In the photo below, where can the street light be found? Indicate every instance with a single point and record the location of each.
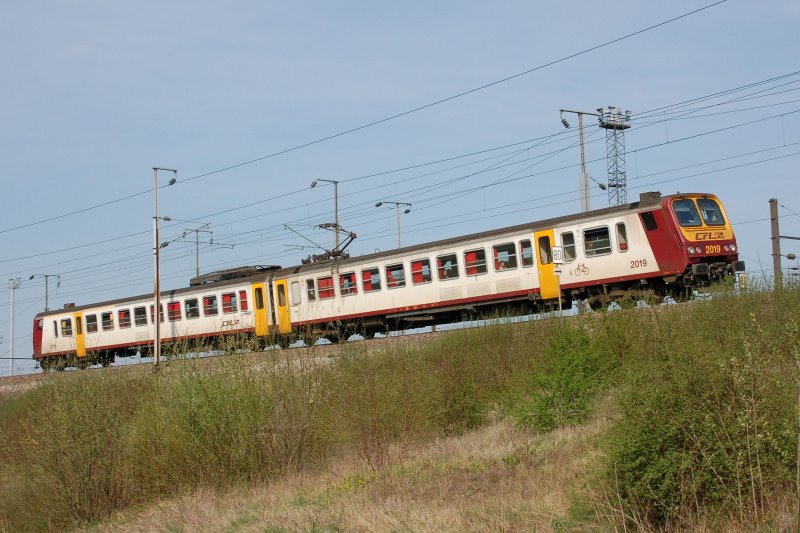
(397, 208)
(157, 266)
(13, 284)
(335, 209)
(584, 184)
(46, 291)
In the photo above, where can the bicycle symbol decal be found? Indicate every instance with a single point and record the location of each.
(580, 269)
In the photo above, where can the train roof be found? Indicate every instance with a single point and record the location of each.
(646, 201)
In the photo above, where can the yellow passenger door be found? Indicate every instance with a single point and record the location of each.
(259, 295)
(80, 339)
(548, 282)
(284, 321)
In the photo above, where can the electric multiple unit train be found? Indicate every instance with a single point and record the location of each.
(655, 247)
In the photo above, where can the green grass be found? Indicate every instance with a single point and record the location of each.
(704, 398)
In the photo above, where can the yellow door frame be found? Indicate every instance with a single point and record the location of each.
(282, 303)
(260, 312)
(80, 338)
(548, 282)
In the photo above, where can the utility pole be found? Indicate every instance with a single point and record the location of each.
(157, 266)
(46, 289)
(776, 244)
(397, 209)
(584, 181)
(13, 284)
(336, 227)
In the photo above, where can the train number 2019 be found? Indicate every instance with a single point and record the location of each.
(713, 248)
(638, 263)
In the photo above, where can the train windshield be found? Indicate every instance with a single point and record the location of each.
(712, 214)
(686, 212)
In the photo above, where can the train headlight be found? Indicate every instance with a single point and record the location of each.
(733, 247)
(691, 250)
(726, 247)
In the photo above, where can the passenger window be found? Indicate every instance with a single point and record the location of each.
(686, 212)
(107, 320)
(310, 291)
(568, 246)
(124, 316)
(622, 237)
(140, 316)
(347, 284)
(192, 308)
(55, 328)
(447, 266)
(209, 306)
(712, 214)
(325, 286)
(282, 295)
(66, 327)
(243, 300)
(91, 323)
(229, 302)
(526, 251)
(78, 325)
(545, 253)
(505, 256)
(371, 279)
(174, 311)
(296, 293)
(596, 241)
(395, 276)
(421, 271)
(260, 298)
(475, 262)
(160, 313)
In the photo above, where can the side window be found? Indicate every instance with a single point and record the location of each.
(545, 253)
(259, 292)
(107, 320)
(596, 241)
(124, 316)
(243, 300)
(421, 271)
(55, 328)
(282, 295)
(568, 246)
(160, 313)
(140, 316)
(296, 293)
(78, 325)
(91, 323)
(40, 324)
(229, 302)
(174, 311)
(347, 284)
(649, 221)
(371, 279)
(310, 290)
(686, 212)
(712, 214)
(66, 327)
(622, 237)
(504, 256)
(447, 266)
(209, 306)
(475, 262)
(192, 308)
(325, 286)
(395, 276)
(526, 252)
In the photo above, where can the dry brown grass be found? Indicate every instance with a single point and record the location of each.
(493, 479)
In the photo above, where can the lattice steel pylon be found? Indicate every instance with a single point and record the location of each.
(615, 122)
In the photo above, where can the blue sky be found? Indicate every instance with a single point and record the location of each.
(97, 93)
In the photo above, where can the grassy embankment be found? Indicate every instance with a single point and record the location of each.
(674, 418)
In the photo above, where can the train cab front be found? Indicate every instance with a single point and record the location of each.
(707, 238)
